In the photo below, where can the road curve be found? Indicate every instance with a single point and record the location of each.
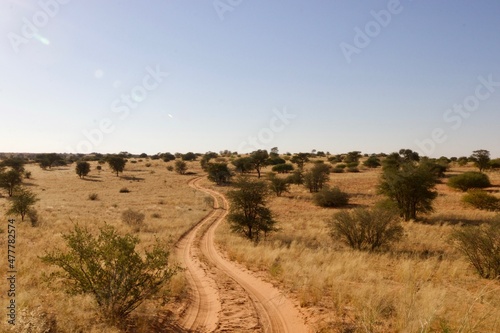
(275, 312)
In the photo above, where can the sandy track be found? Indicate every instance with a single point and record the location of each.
(224, 297)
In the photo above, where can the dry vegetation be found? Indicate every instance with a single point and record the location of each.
(422, 285)
(170, 208)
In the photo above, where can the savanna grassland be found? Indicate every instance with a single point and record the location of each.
(421, 284)
(170, 208)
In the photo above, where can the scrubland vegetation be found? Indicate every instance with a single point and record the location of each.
(337, 232)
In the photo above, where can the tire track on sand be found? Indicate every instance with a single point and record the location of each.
(225, 297)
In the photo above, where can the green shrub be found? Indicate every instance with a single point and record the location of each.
(180, 167)
(331, 197)
(352, 165)
(124, 190)
(481, 246)
(278, 185)
(337, 170)
(283, 168)
(481, 200)
(22, 202)
(372, 162)
(170, 168)
(352, 169)
(469, 180)
(366, 229)
(109, 268)
(297, 177)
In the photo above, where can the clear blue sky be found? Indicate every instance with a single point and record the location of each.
(373, 76)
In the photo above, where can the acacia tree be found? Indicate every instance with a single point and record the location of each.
(117, 163)
(16, 163)
(82, 168)
(259, 160)
(205, 159)
(300, 159)
(243, 164)
(410, 186)
(49, 160)
(109, 268)
(219, 173)
(317, 177)
(481, 159)
(9, 180)
(248, 214)
(22, 202)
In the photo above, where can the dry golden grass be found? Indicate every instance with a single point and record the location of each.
(170, 206)
(422, 285)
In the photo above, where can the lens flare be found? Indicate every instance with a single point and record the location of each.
(42, 40)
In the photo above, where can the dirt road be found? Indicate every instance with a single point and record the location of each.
(225, 298)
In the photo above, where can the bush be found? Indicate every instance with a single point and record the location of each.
(331, 197)
(317, 177)
(337, 170)
(109, 268)
(278, 185)
(180, 167)
(124, 190)
(481, 246)
(372, 162)
(133, 218)
(366, 229)
(481, 200)
(27, 174)
(170, 168)
(352, 169)
(219, 173)
(147, 165)
(34, 218)
(469, 180)
(93, 196)
(283, 168)
(297, 177)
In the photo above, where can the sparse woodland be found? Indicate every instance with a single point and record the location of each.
(423, 277)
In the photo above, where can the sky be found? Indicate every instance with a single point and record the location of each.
(182, 75)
